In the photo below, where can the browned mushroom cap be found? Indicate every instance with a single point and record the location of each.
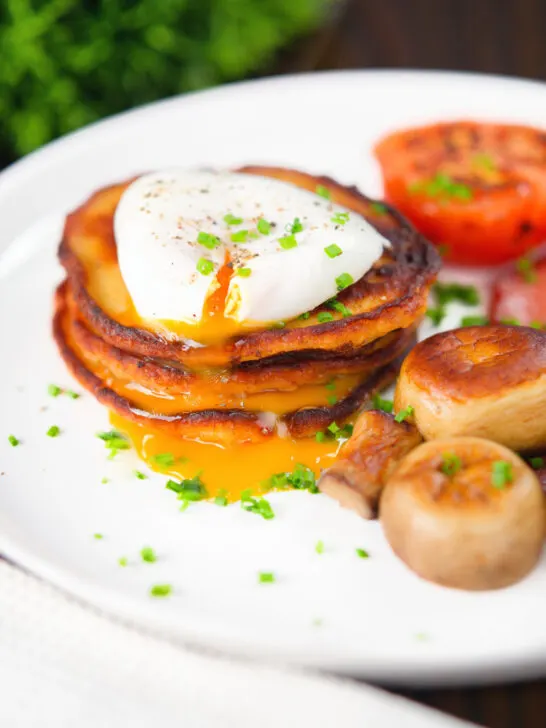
(466, 513)
(367, 460)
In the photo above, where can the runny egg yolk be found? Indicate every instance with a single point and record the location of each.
(226, 471)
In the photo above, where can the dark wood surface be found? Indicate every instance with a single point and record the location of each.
(491, 36)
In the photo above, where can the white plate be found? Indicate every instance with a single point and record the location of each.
(378, 619)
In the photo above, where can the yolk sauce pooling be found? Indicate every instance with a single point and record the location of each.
(227, 471)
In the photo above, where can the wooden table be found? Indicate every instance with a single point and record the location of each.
(493, 36)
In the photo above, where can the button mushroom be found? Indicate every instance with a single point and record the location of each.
(367, 460)
(466, 513)
(479, 381)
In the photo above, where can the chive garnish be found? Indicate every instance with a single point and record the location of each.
(244, 272)
(501, 474)
(163, 459)
(333, 250)
(260, 506)
(451, 464)
(54, 390)
(148, 555)
(266, 577)
(54, 431)
(362, 553)
(340, 218)
(294, 227)
(319, 547)
(205, 266)
(288, 242)
(526, 269)
(230, 219)
(13, 441)
(404, 414)
(208, 241)
(241, 236)
(324, 316)
(385, 405)
(161, 590)
(263, 226)
(344, 281)
(474, 321)
(323, 192)
(139, 475)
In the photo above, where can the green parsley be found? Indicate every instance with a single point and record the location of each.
(451, 464)
(163, 459)
(442, 186)
(205, 266)
(161, 590)
(98, 536)
(257, 505)
(230, 219)
(536, 463)
(526, 269)
(320, 436)
(404, 414)
(436, 315)
(385, 405)
(324, 316)
(340, 218)
(295, 226)
(319, 547)
(474, 321)
(378, 208)
(333, 250)
(114, 441)
(448, 292)
(13, 441)
(139, 475)
(189, 490)
(344, 281)
(148, 555)
(266, 577)
(501, 474)
(323, 192)
(54, 431)
(208, 241)
(243, 272)
(54, 390)
(122, 561)
(263, 226)
(362, 553)
(288, 242)
(241, 236)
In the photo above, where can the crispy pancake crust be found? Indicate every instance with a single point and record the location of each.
(392, 295)
(228, 426)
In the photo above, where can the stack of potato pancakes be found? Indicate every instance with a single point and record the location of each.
(292, 379)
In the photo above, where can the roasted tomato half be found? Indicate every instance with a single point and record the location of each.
(476, 189)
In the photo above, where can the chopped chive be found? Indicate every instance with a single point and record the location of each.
(53, 431)
(263, 226)
(98, 536)
(114, 441)
(378, 208)
(230, 219)
(324, 316)
(208, 241)
(13, 441)
(344, 281)
(304, 316)
(104, 481)
(161, 590)
(278, 325)
(334, 428)
(301, 478)
(204, 266)
(474, 321)
(266, 577)
(163, 459)
(485, 161)
(332, 399)
(323, 192)
(320, 436)
(260, 506)
(442, 186)
(362, 553)
(288, 242)
(340, 218)
(510, 322)
(333, 250)
(451, 464)
(536, 463)
(436, 315)
(404, 414)
(536, 325)
(221, 500)
(148, 555)
(241, 236)
(526, 269)
(448, 292)
(122, 561)
(244, 272)
(340, 308)
(189, 490)
(319, 547)
(72, 394)
(385, 405)
(295, 226)
(139, 475)
(331, 384)
(54, 390)
(501, 474)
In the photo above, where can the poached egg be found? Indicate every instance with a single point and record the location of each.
(245, 250)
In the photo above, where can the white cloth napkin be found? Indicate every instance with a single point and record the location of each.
(64, 664)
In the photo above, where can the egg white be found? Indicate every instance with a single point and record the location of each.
(159, 218)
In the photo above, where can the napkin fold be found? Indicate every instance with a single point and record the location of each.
(63, 664)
